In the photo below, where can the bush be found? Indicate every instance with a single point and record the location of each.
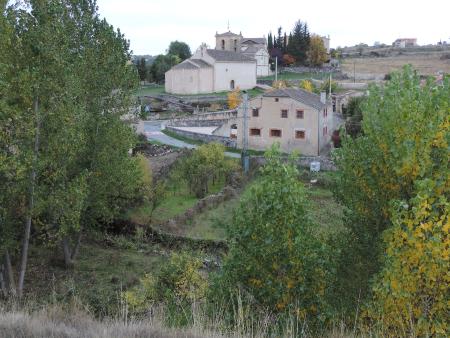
(178, 285)
(204, 167)
(275, 261)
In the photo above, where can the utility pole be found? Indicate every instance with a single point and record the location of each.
(245, 158)
(329, 93)
(354, 74)
(276, 68)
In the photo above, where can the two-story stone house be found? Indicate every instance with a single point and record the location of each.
(297, 119)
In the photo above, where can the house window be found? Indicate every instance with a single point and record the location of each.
(325, 112)
(276, 99)
(300, 134)
(223, 44)
(325, 131)
(300, 114)
(275, 132)
(255, 132)
(255, 112)
(284, 113)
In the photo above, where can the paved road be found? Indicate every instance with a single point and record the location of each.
(153, 131)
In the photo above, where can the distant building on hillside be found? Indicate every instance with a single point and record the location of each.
(405, 42)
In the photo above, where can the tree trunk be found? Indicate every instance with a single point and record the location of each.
(67, 253)
(76, 248)
(2, 283)
(27, 230)
(9, 274)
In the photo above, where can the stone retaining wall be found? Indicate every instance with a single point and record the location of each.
(205, 203)
(326, 163)
(196, 123)
(226, 141)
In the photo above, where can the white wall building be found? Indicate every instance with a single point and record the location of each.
(209, 71)
(235, 62)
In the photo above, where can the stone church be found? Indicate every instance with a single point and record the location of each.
(235, 62)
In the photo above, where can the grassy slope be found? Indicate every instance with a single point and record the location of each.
(108, 264)
(159, 89)
(295, 76)
(104, 267)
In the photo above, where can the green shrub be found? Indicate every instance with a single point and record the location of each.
(275, 262)
(177, 285)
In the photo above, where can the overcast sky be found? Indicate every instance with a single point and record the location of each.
(150, 25)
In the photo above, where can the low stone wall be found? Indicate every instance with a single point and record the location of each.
(196, 123)
(326, 164)
(345, 85)
(206, 203)
(226, 141)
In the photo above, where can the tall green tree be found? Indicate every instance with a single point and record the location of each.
(274, 256)
(161, 65)
(180, 49)
(383, 165)
(65, 87)
(142, 69)
(299, 42)
(269, 41)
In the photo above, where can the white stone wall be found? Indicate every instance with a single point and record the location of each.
(262, 63)
(243, 74)
(189, 81)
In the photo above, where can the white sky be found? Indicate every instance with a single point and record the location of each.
(151, 25)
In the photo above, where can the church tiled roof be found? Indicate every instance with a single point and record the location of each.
(226, 34)
(224, 56)
(303, 96)
(259, 41)
(192, 64)
(201, 63)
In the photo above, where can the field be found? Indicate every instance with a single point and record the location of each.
(366, 67)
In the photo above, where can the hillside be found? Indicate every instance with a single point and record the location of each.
(375, 68)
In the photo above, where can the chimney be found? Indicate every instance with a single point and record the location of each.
(323, 97)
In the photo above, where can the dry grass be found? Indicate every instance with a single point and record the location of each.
(61, 322)
(426, 64)
(56, 323)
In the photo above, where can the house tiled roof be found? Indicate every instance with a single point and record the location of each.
(224, 56)
(300, 95)
(192, 64)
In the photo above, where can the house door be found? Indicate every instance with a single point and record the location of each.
(232, 84)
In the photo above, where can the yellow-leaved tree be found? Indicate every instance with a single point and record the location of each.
(317, 53)
(306, 85)
(234, 98)
(411, 293)
(401, 157)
